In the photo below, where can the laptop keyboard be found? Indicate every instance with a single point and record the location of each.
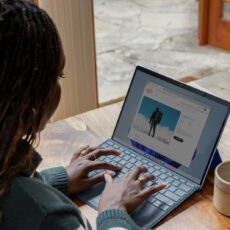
(177, 187)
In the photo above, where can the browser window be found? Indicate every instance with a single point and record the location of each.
(168, 123)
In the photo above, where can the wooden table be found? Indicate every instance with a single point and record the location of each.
(60, 140)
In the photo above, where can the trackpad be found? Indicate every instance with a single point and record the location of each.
(92, 195)
(146, 215)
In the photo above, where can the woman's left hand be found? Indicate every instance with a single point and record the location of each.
(83, 162)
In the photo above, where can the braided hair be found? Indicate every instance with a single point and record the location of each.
(31, 60)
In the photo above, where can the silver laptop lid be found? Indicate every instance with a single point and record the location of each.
(176, 124)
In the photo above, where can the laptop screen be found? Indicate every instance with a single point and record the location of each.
(171, 123)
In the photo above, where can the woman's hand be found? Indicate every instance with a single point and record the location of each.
(84, 162)
(128, 192)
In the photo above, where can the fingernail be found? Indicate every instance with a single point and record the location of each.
(111, 173)
(106, 176)
(164, 183)
(144, 167)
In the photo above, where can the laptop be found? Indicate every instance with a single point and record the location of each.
(173, 129)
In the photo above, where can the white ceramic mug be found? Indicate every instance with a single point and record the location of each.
(221, 197)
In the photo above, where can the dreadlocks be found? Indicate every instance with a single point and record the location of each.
(31, 59)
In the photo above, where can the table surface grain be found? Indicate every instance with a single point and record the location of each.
(61, 139)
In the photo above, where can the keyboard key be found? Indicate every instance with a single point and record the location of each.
(108, 160)
(179, 192)
(102, 158)
(144, 161)
(116, 146)
(164, 199)
(126, 157)
(139, 158)
(162, 191)
(190, 184)
(124, 170)
(157, 167)
(157, 173)
(127, 151)
(172, 188)
(158, 181)
(91, 174)
(163, 170)
(169, 180)
(176, 183)
(138, 163)
(163, 176)
(176, 177)
(157, 203)
(128, 165)
(123, 162)
(121, 148)
(150, 164)
(148, 184)
(110, 143)
(185, 187)
(164, 207)
(151, 199)
(182, 180)
(132, 160)
(151, 170)
(112, 147)
(117, 159)
(111, 156)
(133, 155)
(172, 196)
(169, 173)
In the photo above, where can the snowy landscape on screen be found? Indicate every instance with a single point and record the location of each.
(162, 133)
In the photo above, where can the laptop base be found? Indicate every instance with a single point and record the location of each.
(154, 208)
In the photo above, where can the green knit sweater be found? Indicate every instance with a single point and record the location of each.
(40, 202)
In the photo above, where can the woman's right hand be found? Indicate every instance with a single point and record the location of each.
(128, 192)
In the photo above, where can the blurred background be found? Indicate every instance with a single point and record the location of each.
(104, 40)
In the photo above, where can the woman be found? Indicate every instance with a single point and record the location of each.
(31, 63)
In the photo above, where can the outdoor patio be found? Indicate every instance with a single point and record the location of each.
(161, 35)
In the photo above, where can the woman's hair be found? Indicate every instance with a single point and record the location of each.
(31, 60)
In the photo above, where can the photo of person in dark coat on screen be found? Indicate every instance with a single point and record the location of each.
(154, 120)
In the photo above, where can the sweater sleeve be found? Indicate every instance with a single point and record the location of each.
(56, 177)
(115, 219)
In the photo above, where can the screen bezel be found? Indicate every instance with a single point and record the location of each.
(191, 89)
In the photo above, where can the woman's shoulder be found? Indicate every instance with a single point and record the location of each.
(29, 201)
